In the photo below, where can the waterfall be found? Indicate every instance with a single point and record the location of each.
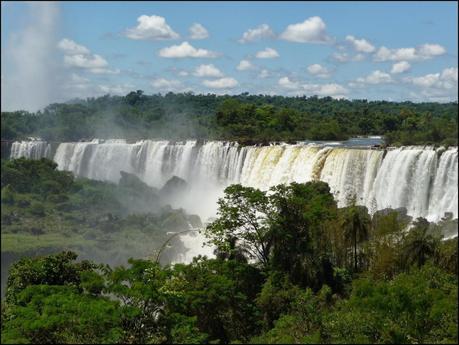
(35, 149)
(422, 179)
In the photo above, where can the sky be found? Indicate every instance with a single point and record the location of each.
(395, 51)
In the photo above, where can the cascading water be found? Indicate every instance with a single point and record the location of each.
(35, 149)
(424, 180)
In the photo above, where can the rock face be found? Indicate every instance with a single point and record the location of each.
(136, 196)
(173, 189)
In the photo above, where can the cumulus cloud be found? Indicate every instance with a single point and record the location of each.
(198, 32)
(345, 57)
(207, 71)
(400, 67)
(360, 45)
(260, 32)
(245, 65)
(318, 70)
(85, 61)
(151, 28)
(162, 83)
(331, 89)
(79, 56)
(268, 53)
(121, 90)
(376, 77)
(264, 73)
(72, 48)
(437, 87)
(312, 30)
(185, 50)
(222, 83)
(423, 52)
(285, 82)
(447, 79)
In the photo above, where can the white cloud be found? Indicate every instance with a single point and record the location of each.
(318, 70)
(70, 47)
(198, 32)
(264, 73)
(428, 80)
(312, 30)
(437, 87)
(376, 77)
(360, 45)
(285, 82)
(207, 71)
(183, 73)
(165, 83)
(449, 74)
(222, 83)
(120, 90)
(85, 61)
(79, 56)
(400, 67)
(245, 65)
(162, 84)
(262, 31)
(185, 50)
(428, 50)
(151, 27)
(345, 57)
(423, 52)
(268, 53)
(447, 79)
(104, 71)
(331, 89)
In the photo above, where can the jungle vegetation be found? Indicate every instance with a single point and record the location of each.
(289, 267)
(248, 119)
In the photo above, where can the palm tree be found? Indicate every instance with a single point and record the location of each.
(356, 223)
(418, 246)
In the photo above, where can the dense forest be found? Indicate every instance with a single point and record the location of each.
(46, 211)
(244, 118)
(290, 267)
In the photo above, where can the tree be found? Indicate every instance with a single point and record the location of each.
(356, 223)
(419, 245)
(242, 217)
(300, 246)
(50, 314)
(58, 269)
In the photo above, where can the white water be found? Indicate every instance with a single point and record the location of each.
(424, 180)
(31, 149)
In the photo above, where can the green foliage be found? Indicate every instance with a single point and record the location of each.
(416, 307)
(35, 176)
(291, 268)
(242, 224)
(56, 269)
(46, 314)
(220, 294)
(244, 118)
(302, 213)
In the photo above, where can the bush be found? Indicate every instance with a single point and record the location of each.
(37, 209)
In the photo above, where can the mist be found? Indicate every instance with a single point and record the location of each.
(30, 70)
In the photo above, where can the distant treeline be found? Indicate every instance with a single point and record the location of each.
(244, 118)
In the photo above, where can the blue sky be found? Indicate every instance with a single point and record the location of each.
(375, 50)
